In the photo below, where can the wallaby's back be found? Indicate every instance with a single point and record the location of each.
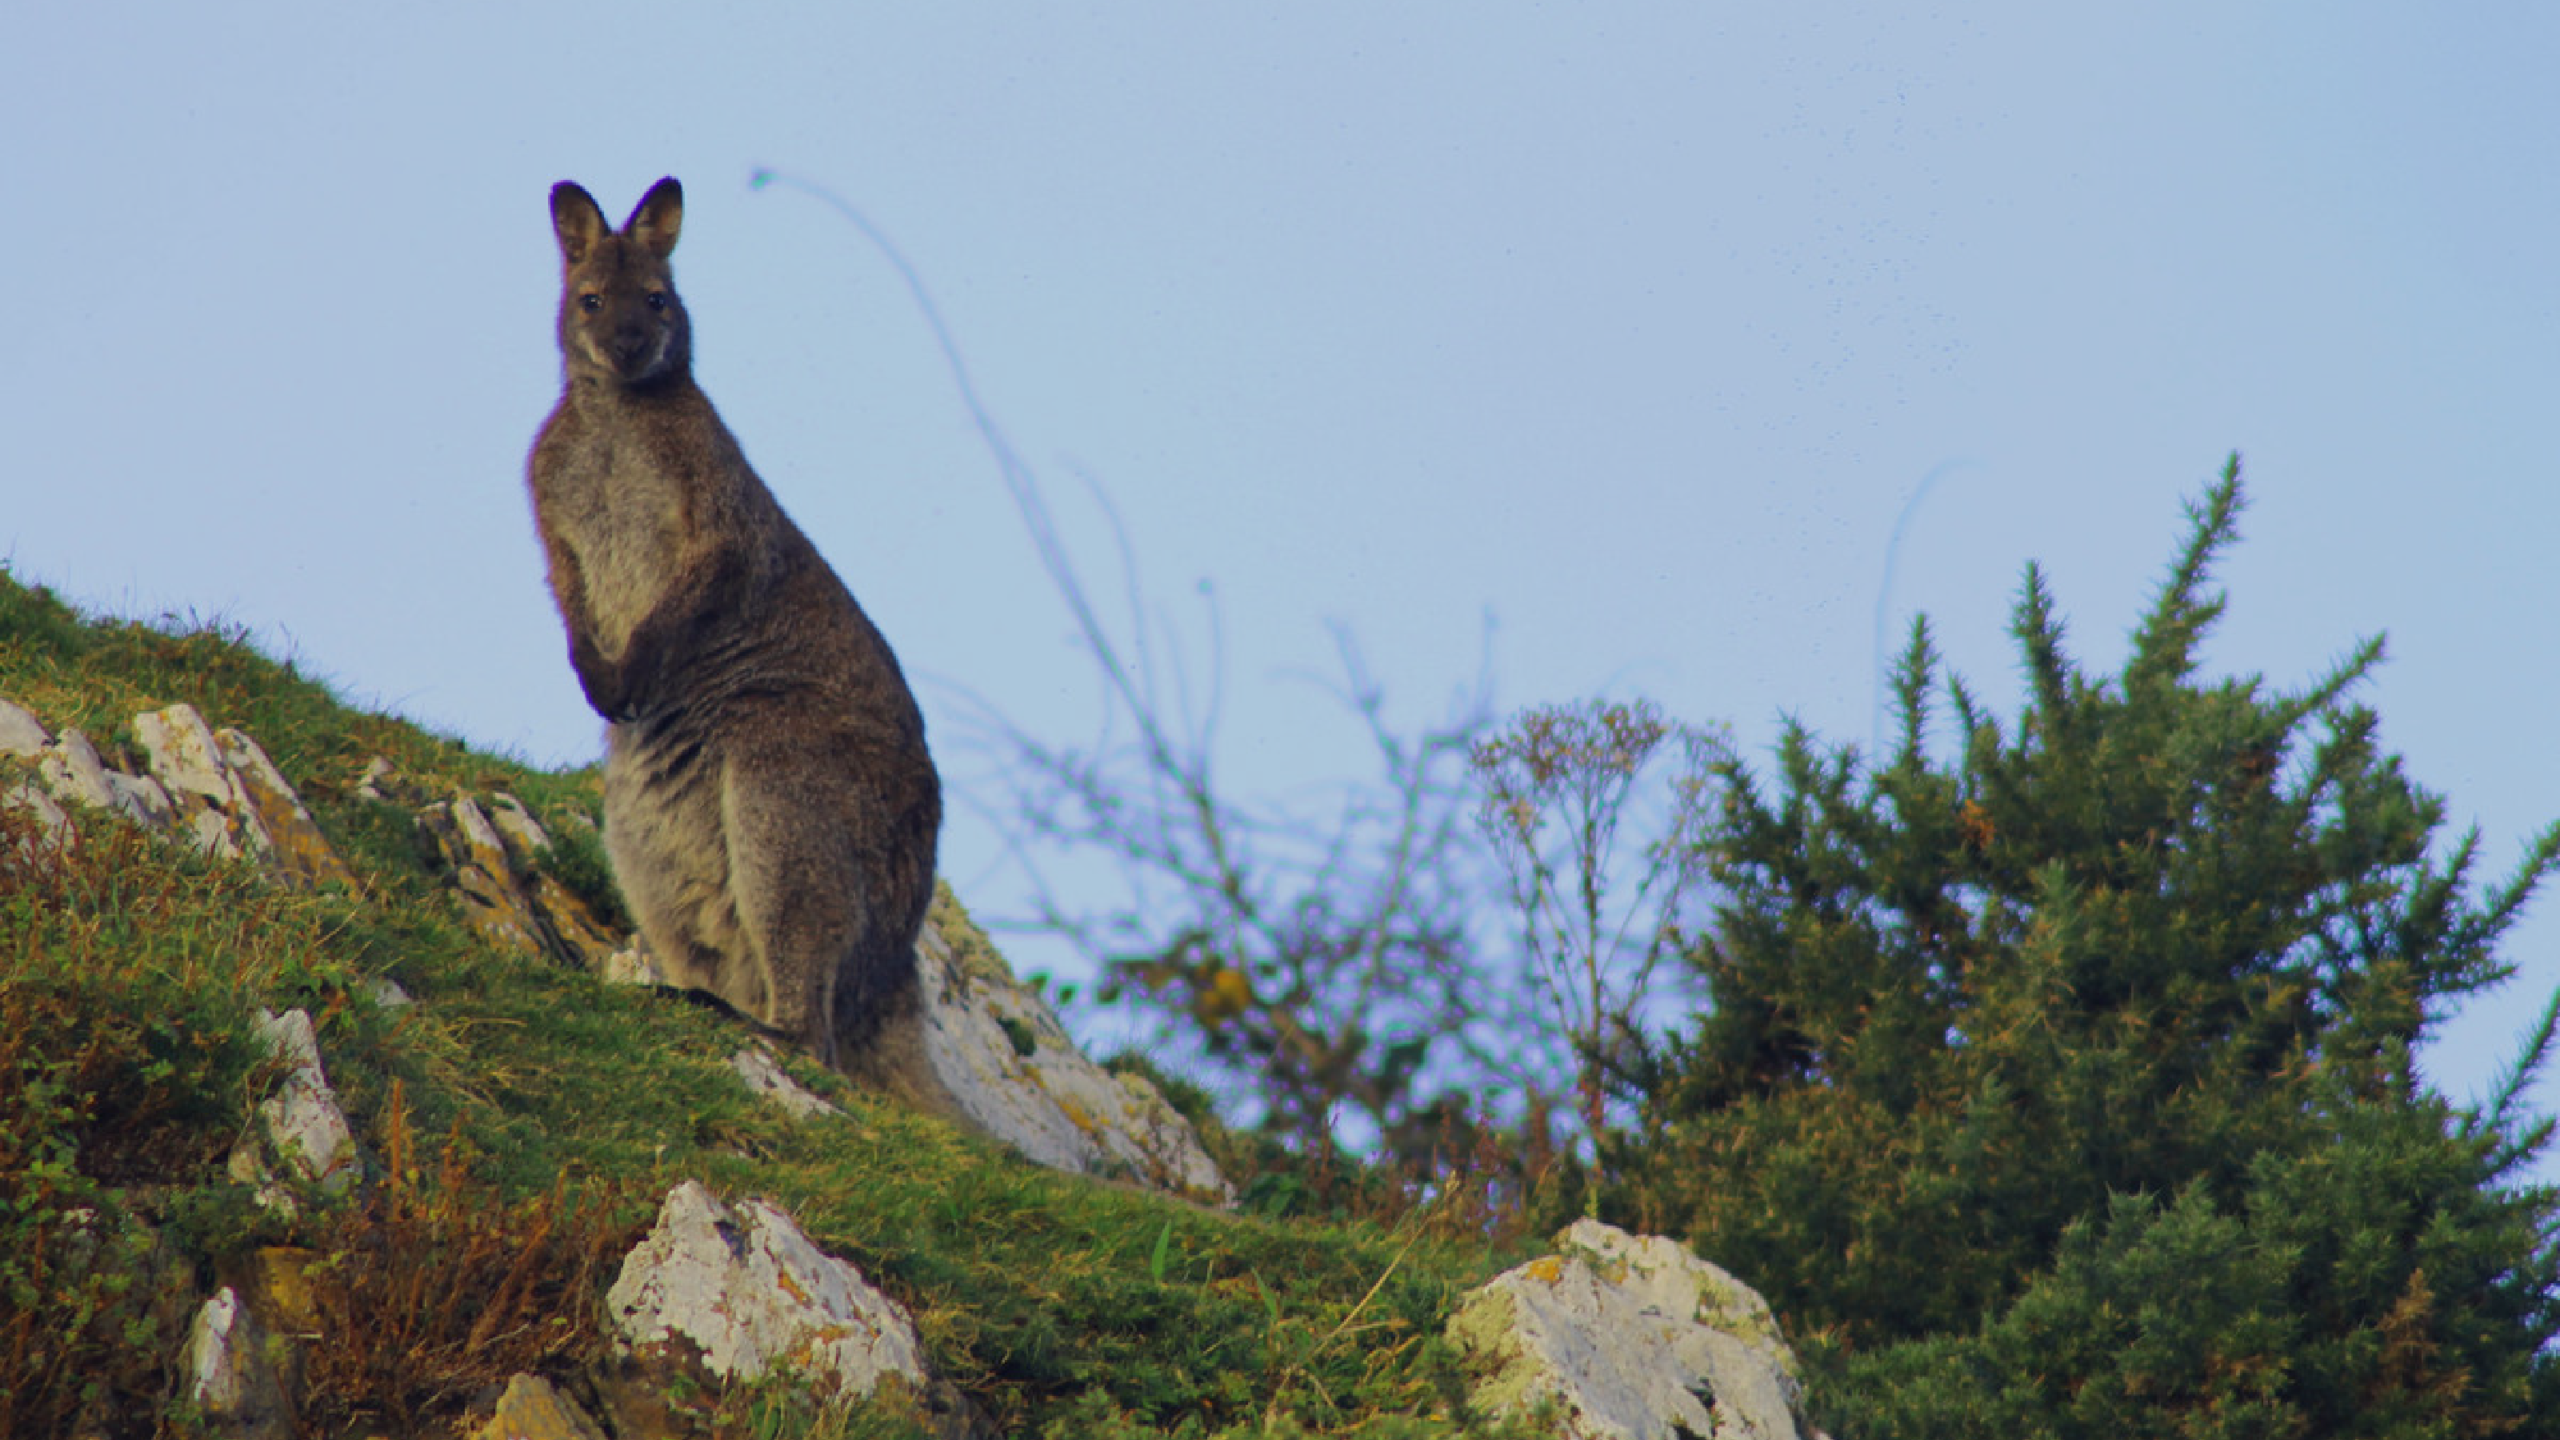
(770, 807)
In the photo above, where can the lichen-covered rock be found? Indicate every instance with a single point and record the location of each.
(227, 1373)
(765, 1076)
(303, 1128)
(68, 775)
(1019, 1076)
(1631, 1339)
(743, 1292)
(215, 788)
(1016, 1073)
(517, 823)
(494, 854)
(283, 834)
(284, 1285)
(492, 904)
(72, 770)
(531, 1408)
(232, 800)
(52, 822)
(21, 733)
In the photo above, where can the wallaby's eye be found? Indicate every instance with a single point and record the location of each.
(591, 302)
(657, 299)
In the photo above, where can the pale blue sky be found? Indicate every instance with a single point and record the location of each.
(1633, 325)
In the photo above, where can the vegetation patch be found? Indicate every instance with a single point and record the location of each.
(2050, 1075)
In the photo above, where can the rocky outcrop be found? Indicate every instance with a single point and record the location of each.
(214, 788)
(493, 849)
(302, 1130)
(1630, 1339)
(72, 772)
(743, 1293)
(1017, 1073)
(234, 800)
(507, 897)
(218, 791)
(995, 1045)
(238, 1364)
(21, 733)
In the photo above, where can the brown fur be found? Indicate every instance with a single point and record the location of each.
(770, 808)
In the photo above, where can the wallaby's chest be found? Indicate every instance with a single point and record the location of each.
(627, 506)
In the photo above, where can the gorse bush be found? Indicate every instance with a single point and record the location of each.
(2381, 1286)
(2063, 1085)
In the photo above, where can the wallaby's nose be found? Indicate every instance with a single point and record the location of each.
(630, 344)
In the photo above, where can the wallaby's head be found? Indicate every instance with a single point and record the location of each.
(620, 320)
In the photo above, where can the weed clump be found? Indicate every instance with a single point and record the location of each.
(434, 1286)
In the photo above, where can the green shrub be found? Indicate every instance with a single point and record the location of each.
(2066, 1079)
(109, 1084)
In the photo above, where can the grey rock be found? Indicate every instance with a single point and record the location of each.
(52, 821)
(185, 756)
(226, 1371)
(74, 773)
(283, 834)
(1016, 1073)
(493, 854)
(517, 823)
(1020, 1077)
(744, 1293)
(230, 800)
(85, 779)
(302, 1124)
(69, 769)
(765, 1076)
(380, 780)
(1632, 1339)
(493, 904)
(21, 733)
(633, 964)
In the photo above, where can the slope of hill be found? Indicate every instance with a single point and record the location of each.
(517, 1123)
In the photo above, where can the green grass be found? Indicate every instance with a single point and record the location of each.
(517, 1092)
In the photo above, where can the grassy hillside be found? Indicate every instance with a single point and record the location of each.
(524, 1121)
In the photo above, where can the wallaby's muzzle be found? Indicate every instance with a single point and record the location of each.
(635, 349)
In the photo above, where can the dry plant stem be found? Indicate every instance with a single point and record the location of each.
(1262, 964)
(1559, 783)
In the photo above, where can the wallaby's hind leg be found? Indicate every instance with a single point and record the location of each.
(797, 895)
(668, 857)
(827, 916)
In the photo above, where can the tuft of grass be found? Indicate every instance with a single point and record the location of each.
(1042, 1295)
(577, 860)
(435, 1285)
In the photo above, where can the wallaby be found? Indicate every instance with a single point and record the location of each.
(770, 808)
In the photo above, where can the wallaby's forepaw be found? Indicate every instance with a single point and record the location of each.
(604, 684)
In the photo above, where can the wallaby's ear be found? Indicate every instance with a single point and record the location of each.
(576, 221)
(659, 216)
